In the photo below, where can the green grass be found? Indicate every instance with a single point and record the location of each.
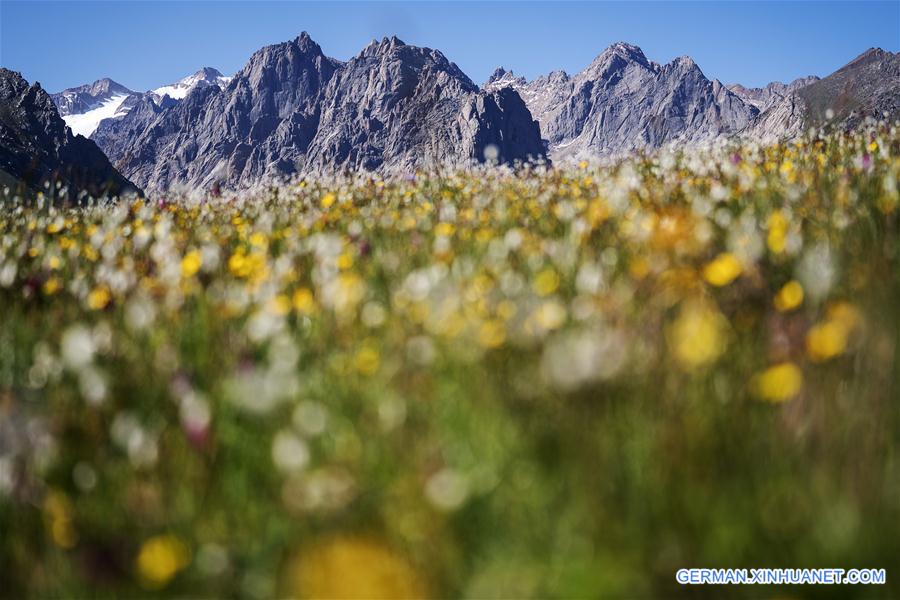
(486, 384)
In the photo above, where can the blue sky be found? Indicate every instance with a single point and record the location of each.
(144, 44)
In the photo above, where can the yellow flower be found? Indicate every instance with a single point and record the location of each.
(352, 567)
(546, 282)
(367, 360)
(191, 263)
(724, 269)
(844, 313)
(698, 336)
(789, 297)
(777, 238)
(777, 383)
(52, 285)
(160, 559)
(327, 200)
(444, 229)
(787, 167)
(279, 305)
(829, 338)
(99, 298)
(258, 240)
(248, 266)
(826, 340)
(303, 301)
(491, 334)
(348, 292)
(345, 261)
(550, 315)
(639, 267)
(58, 517)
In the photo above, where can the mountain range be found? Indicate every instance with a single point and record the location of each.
(37, 148)
(395, 108)
(293, 109)
(623, 102)
(83, 108)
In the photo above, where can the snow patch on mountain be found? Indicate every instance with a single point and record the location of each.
(86, 123)
(180, 89)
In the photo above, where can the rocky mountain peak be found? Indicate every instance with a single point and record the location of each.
(36, 146)
(624, 50)
(872, 55)
(207, 73)
(284, 57)
(764, 98)
(558, 76)
(106, 86)
(498, 74)
(684, 65)
(306, 44)
(385, 46)
(84, 98)
(292, 109)
(501, 78)
(614, 59)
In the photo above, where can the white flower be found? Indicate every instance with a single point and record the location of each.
(289, 451)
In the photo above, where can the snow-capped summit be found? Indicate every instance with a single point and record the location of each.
(180, 89)
(87, 97)
(83, 107)
(502, 78)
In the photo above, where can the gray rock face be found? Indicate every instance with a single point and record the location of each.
(623, 102)
(867, 86)
(205, 77)
(84, 108)
(88, 97)
(37, 147)
(400, 106)
(765, 98)
(292, 109)
(260, 124)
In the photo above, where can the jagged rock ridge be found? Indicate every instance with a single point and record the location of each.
(867, 86)
(623, 102)
(37, 147)
(292, 109)
(766, 97)
(83, 108)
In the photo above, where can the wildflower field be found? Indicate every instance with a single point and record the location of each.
(562, 382)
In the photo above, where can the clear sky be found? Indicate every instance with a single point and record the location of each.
(144, 44)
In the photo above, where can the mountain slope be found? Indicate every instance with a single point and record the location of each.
(260, 125)
(82, 99)
(418, 108)
(37, 147)
(766, 97)
(83, 107)
(181, 88)
(867, 86)
(292, 109)
(623, 102)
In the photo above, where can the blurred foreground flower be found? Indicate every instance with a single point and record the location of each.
(698, 336)
(723, 270)
(160, 559)
(352, 567)
(778, 383)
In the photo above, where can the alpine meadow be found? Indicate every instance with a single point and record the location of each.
(363, 328)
